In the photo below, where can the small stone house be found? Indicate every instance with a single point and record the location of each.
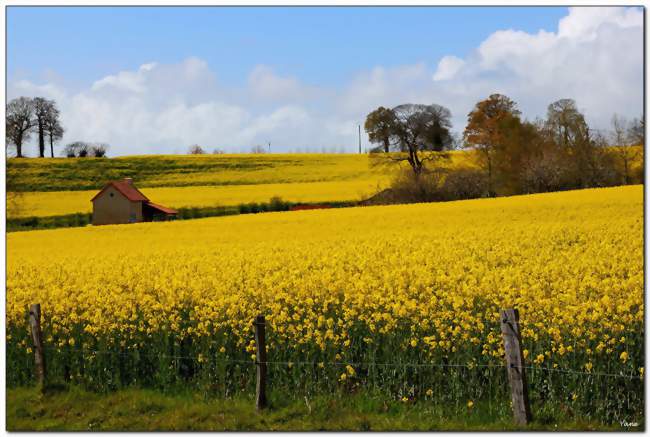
(121, 202)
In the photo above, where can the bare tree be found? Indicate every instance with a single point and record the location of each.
(623, 145)
(79, 149)
(43, 109)
(53, 128)
(19, 122)
(98, 150)
(566, 123)
(258, 149)
(195, 149)
(636, 131)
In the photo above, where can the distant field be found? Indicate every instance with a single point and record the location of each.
(60, 186)
(64, 174)
(79, 174)
(44, 204)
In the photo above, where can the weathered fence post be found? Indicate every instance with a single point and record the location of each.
(515, 366)
(37, 337)
(260, 342)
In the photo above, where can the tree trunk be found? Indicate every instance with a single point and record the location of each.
(416, 164)
(41, 140)
(386, 145)
(19, 147)
(51, 146)
(491, 192)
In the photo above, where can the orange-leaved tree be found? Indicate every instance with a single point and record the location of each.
(489, 130)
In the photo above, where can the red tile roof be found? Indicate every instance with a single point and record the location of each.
(127, 189)
(162, 208)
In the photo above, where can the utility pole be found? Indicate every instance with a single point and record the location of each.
(359, 139)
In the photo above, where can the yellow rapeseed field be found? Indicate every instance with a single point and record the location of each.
(416, 283)
(62, 174)
(49, 203)
(199, 181)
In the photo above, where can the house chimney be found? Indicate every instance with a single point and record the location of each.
(128, 181)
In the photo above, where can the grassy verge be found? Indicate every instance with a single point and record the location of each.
(83, 219)
(75, 409)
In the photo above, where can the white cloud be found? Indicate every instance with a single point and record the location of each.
(48, 90)
(583, 23)
(126, 80)
(447, 68)
(265, 84)
(383, 86)
(595, 57)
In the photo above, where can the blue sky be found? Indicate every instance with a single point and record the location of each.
(155, 79)
(321, 45)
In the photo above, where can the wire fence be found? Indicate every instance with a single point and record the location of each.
(408, 378)
(362, 364)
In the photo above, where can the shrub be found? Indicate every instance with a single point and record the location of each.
(464, 183)
(406, 187)
(277, 204)
(99, 150)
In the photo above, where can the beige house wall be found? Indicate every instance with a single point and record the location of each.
(115, 209)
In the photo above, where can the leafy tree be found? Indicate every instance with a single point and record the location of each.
(420, 128)
(380, 125)
(489, 129)
(19, 122)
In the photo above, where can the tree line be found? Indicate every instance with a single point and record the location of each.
(511, 155)
(26, 116)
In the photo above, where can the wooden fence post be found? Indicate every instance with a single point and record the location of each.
(37, 337)
(515, 366)
(260, 342)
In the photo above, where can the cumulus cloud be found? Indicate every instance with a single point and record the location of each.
(447, 68)
(595, 57)
(126, 80)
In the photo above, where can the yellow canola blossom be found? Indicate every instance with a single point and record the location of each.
(330, 280)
